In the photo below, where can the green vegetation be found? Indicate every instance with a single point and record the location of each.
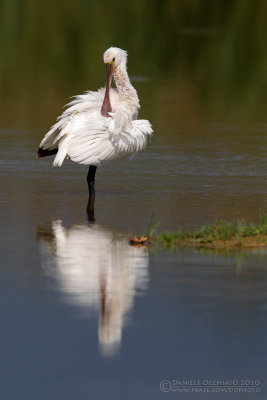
(222, 234)
(213, 52)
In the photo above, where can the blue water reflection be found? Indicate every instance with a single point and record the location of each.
(95, 270)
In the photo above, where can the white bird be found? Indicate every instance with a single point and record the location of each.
(99, 126)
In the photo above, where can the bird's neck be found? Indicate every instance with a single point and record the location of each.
(124, 86)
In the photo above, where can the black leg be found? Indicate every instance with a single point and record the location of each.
(91, 180)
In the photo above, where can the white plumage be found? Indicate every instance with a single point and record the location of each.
(100, 126)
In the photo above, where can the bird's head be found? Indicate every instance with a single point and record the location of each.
(115, 56)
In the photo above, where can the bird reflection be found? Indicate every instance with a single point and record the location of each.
(91, 209)
(95, 270)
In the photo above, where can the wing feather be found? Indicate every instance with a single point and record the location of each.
(86, 137)
(94, 143)
(88, 103)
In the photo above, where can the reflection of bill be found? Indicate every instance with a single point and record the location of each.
(96, 270)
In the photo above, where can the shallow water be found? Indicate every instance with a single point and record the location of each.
(83, 313)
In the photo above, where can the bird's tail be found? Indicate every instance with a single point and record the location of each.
(59, 159)
(62, 152)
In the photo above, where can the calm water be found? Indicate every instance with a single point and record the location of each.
(83, 313)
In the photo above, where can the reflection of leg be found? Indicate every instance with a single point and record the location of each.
(91, 209)
(91, 179)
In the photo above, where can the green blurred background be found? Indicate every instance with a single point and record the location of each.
(192, 61)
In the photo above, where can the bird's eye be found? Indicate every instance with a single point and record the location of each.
(113, 59)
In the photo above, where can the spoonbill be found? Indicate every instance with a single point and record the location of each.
(99, 126)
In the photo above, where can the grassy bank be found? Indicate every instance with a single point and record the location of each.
(220, 235)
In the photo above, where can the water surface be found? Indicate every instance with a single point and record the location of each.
(85, 313)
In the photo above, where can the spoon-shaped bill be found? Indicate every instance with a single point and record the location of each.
(106, 106)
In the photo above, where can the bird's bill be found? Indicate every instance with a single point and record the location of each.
(110, 71)
(106, 106)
